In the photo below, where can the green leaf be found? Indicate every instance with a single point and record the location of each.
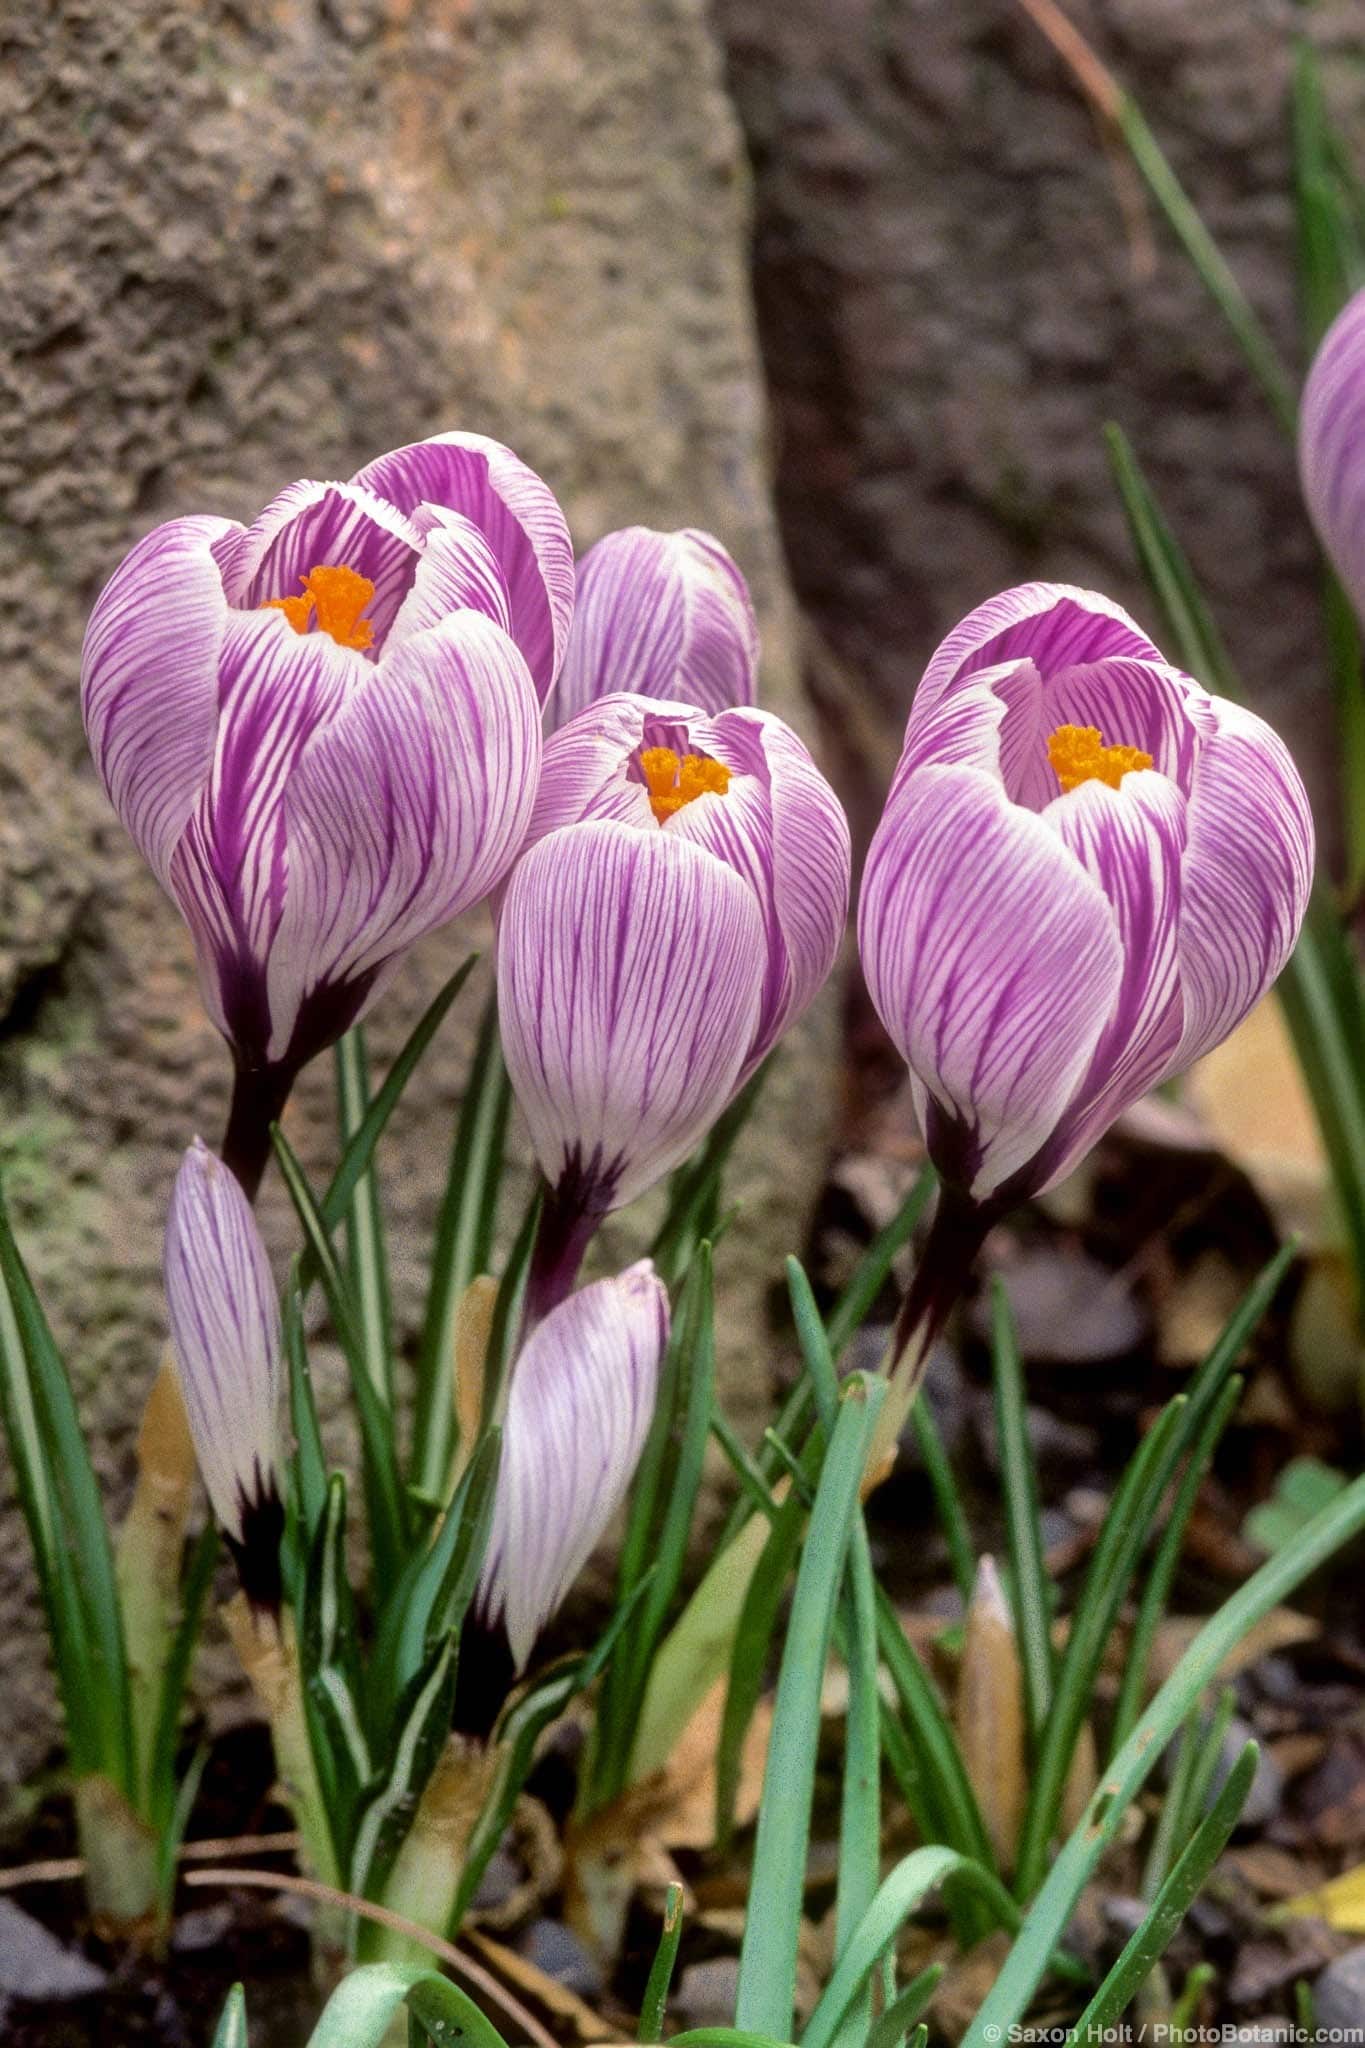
(365, 1256)
(389, 1531)
(654, 2008)
(913, 1878)
(420, 1726)
(1023, 1520)
(694, 1191)
(944, 1795)
(362, 2009)
(860, 1812)
(65, 1515)
(329, 1655)
(904, 2013)
(1276, 1580)
(943, 1485)
(231, 2029)
(767, 1969)
(1186, 1880)
(463, 1249)
(505, 1326)
(175, 1679)
(308, 1466)
(1209, 264)
(450, 2017)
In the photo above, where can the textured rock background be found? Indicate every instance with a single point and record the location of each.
(950, 312)
(247, 243)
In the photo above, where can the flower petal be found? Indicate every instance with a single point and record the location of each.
(662, 615)
(316, 525)
(516, 512)
(1332, 446)
(457, 571)
(582, 1395)
(1247, 873)
(404, 810)
(1053, 625)
(149, 681)
(583, 772)
(629, 970)
(228, 876)
(225, 1332)
(994, 961)
(1132, 840)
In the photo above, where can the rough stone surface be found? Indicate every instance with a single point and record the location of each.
(952, 305)
(242, 245)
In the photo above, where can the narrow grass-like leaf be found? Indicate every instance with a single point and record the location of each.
(766, 1994)
(1202, 1749)
(505, 1329)
(694, 1191)
(449, 2016)
(654, 2008)
(365, 1257)
(170, 1832)
(230, 2031)
(175, 1677)
(850, 1311)
(897, 1897)
(1277, 1579)
(309, 1464)
(1186, 1880)
(62, 1477)
(465, 1232)
(1209, 263)
(904, 2012)
(938, 1760)
(433, 1594)
(360, 1150)
(1023, 1519)
(860, 1813)
(952, 1515)
(419, 1728)
(384, 1499)
(330, 1657)
(1157, 1590)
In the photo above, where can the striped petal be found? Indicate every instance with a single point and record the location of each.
(404, 810)
(225, 1333)
(663, 615)
(1247, 872)
(229, 872)
(149, 681)
(1053, 625)
(994, 961)
(314, 525)
(585, 772)
(1332, 446)
(630, 965)
(457, 571)
(1132, 840)
(581, 1399)
(516, 513)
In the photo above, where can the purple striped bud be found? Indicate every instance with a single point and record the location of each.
(578, 1412)
(1332, 446)
(225, 1335)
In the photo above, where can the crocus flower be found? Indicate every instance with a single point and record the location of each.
(578, 1411)
(662, 614)
(225, 1336)
(1332, 446)
(631, 966)
(322, 730)
(1087, 872)
(741, 787)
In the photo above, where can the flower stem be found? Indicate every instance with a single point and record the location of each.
(258, 1098)
(566, 1228)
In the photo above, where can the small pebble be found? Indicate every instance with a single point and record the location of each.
(557, 1951)
(36, 1966)
(1339, 1994)
(706, 1993)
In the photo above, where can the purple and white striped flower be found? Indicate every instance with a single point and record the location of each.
(664, 615)
(225, 1335)
(1332, 446)
(322, 730)
(1087, 872)
(741, 787)
(578, 1411)
(630, 980)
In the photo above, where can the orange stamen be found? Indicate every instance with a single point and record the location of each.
(1078, 755)
(338, 596)
(672, 783)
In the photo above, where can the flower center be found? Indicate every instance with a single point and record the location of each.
(672, 782)
(337, 597)
(1078, 755)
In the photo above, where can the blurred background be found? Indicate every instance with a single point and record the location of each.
(853, 283)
